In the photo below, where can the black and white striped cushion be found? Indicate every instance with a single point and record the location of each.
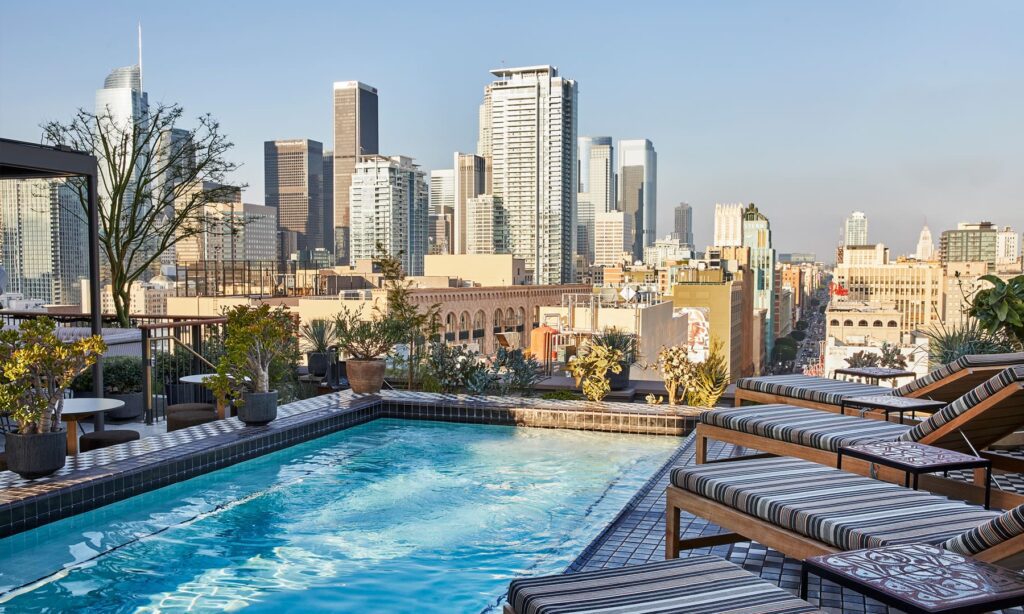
(803, 426)
(817, 389)
(844, 510)
(1007, 377)
(695, 585)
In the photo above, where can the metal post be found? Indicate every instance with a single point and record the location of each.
(147, 376)
(95, 308)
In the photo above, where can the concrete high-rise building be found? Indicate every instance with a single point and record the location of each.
(487, 229)
(44, 240)
(390, 205)
(757, 236)
(355, 134)
(683, 231)
(728, 225)
(638, 191)
(442, 190)
(611, 240)
(294, 181)
(596, 191)
(970, 242)
(925, 245)
(855, 229)
(528, 132)
(470, 182)
(237, 231)
(328, 194)
(1007, 246)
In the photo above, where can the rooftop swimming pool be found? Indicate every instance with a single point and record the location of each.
(388, 516)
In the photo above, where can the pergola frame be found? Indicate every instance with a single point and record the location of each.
(23, 160)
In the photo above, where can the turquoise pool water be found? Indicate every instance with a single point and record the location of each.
(389, 516)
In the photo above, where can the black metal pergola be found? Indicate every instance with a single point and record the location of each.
(23, 160)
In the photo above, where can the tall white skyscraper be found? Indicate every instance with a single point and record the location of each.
(389, 206)
(925, 245)
(120, 106)
(596, 189)
(1007, 245)
(610, 240)
(486, 226)
(728, 225)
(683, 231)
(855, 229)
(638, 191)
(528, 133)
(442, 190)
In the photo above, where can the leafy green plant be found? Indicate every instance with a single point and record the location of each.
(590, 369)
(121, 375)
(413, 326)
(318, 335)
(862, 359)
(947, 343)
(366, 338)
(513, 372)
(36, 366)
(677, 371)
(617, 339)
(892, 357)
(709, 378)
(1000, 309)
(259, 344)
(560, 395)
(452, 366)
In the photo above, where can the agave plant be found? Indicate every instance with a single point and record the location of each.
(948, 343)
(319, 335)
(617, 339)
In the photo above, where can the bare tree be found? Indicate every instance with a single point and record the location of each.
(155, 182)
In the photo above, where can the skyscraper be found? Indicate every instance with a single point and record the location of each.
(638, 191)
(328, 194)
(486, 226)
(970, 242)
(610, 240)
(925, 245)
(1007, 246)
(596, 189)
(120, 106)
(855, 229)
(757, 235)
(442, 211)
(44, 240)
(528, 131)
(470, 182)
(355, 135)
(728, 225)
(294, 181)
(390, 205)
(684, 224)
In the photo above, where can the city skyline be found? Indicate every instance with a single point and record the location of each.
(857, 130)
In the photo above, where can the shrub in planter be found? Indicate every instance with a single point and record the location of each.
(677, 371)
(591, 366)
(122, 380)
(36, 367)
(365, 342)
(256, 339)
(617, 339)
(318, 337)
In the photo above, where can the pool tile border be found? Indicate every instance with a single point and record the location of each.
(101, 477)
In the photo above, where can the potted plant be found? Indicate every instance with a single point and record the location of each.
(591, 366)
(617, 339)
(319, 336)
(365, 342)
(677, 371)
(254, 338)
(36, 367)
(122, 380)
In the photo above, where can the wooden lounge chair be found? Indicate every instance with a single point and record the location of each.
(946, 383)
(804, 509)
(981, 417)
(696, 585)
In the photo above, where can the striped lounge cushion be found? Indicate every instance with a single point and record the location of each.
(816, 389)
(844, 510)
(992, 533)
(803, 426)
(699, 584)
(964, 362)
(1006, 377)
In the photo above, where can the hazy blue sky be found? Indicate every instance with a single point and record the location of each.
(905, 110)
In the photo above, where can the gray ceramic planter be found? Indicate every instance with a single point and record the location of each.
(258, 408)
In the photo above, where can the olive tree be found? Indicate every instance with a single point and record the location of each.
(155, 184)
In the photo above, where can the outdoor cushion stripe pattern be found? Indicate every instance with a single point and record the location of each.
(1004, 378)
(803, 426)
(696, 585)
(964, 362)
(844, 510)
(994, 532)
(816, 389)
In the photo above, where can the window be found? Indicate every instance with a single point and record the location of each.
(893, 324)
(877, 324)
(848, 323)
(862, 323)
(834, 323)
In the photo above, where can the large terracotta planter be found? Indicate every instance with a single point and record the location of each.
(36, 456)
(258, 408)
(365, 376)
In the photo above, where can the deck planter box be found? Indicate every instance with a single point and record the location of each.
(36, 455)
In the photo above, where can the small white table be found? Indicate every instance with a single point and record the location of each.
(77, 409)
(201, 379)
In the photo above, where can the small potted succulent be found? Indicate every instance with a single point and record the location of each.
(36, 367)
(319, 336)
(122, 380)
(617, 339)
(254, 338)
(365, 343)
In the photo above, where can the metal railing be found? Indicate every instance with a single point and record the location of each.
(172, 350)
